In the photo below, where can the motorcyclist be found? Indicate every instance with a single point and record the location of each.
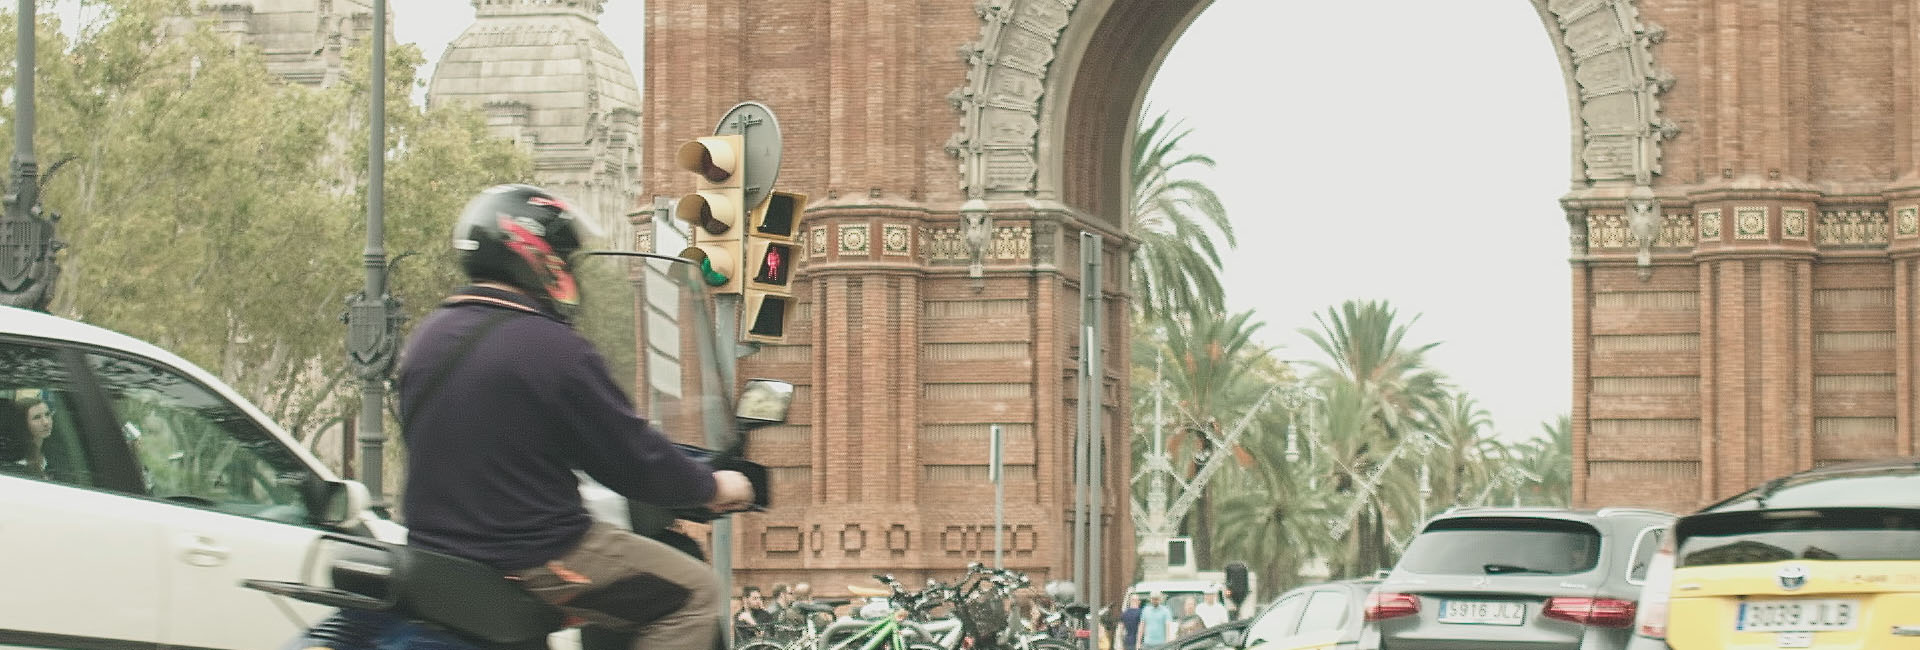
(501, 400)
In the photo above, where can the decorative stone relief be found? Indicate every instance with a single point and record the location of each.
(898, 539)
(1608, 231)
(1710, 225)
(1577, 228)
(1012, 243)
(1793, 223)
(1618, 86)
(1000, 104)
(894, 238)
(1851, 228)
(1044, 233)
(1677, 232)
(1750, 223)
(1907, 223)
(819, 245)
(942, 245)
(853, 239)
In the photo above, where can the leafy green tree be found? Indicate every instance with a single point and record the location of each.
(1177, 217)
(219, 211)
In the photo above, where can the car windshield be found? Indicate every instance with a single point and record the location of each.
(1824, 534)
(1494, 546)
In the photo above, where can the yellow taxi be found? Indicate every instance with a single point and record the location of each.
(1828, 558)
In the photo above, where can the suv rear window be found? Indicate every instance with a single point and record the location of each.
(1503, 545)
(1819, 534)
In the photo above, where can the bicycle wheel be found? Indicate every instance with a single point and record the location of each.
(1052, 644)
(922, 645)
(760, 644)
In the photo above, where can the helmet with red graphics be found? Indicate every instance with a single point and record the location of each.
(524, 236)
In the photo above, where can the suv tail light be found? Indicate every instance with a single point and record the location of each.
(1597, 612)
(1383, 606)
(1657, 594)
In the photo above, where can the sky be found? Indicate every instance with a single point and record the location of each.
(1410, 151)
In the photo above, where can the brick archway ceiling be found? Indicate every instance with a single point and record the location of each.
(1113, 75)
(1615, 127)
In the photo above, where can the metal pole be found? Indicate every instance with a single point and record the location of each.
(1096, 372)
(725, 333)
(1085, 395)
(374, 307)
(24, 166)
(999, 495)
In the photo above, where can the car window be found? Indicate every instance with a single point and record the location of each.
(1886, 534)
(1644, 547)
(1279, 621)
(1503, 545)
(197, 448)
(39, 437)
(1325, 612)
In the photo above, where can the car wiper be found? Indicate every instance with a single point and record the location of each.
(1493, 569)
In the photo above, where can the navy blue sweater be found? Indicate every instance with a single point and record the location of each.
(491, 454)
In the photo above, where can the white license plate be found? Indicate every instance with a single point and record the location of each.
(1482, 612)
(1810, 615)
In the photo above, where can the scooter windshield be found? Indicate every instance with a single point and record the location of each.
(651, 318)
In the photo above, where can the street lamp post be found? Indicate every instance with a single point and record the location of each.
(27, 246)
(373, 316)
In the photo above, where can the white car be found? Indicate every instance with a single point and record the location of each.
(157, 490)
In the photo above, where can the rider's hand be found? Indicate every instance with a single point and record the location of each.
(732, 492)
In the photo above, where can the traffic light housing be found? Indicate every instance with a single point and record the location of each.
(771, 251)
(716, 209)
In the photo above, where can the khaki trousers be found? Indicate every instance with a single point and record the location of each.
(623, 581)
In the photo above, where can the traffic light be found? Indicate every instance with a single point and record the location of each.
(771, 250)
(714, 210)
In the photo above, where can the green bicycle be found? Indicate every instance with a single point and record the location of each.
(892, 631)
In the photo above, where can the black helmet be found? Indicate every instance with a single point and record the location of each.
(521, 235)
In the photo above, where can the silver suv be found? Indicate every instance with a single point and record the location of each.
(1534, 578)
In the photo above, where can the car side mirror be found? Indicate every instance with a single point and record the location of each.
(764, 402)
(334, 503)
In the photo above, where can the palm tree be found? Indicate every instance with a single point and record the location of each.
(1176, 217)
(1466, 457)
(1550, 458)
(1213, 373)
(1378, 391)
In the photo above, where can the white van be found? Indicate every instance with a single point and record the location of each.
(131, 521)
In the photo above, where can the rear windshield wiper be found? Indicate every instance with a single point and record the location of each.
(1493, 569)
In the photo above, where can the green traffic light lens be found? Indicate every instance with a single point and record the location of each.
(713, 278)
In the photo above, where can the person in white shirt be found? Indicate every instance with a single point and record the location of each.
(1210, 611)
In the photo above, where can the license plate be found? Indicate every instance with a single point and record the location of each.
(1482, 612)
(1797, 615)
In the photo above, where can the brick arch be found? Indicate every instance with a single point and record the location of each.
(1049, 79)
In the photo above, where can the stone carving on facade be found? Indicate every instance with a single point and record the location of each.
(1643, 218)
(853, 239)
(1608, 231)
(1709, 225)
(1618, 87)
(1578, 226)
(1044, 234)
(1851, 228)
(1750, 222)
(819, 243)
(1907, 221)
(895, 238)
(1012, 243)
(1793, 223)
(942, 245)
(999, 106)
(1677, 232)
(977, 225)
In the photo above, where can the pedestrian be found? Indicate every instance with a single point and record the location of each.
(750, 622)
(1130, 623)
(1156, 621)
(1189, 619)
(1211, 611)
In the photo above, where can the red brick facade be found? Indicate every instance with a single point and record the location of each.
(1772, 330)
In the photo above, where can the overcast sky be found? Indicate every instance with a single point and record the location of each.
(1411, 151)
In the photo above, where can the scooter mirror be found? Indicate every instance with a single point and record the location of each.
(765, 400)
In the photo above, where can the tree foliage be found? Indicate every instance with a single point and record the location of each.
(219, 211)
(1176, 270)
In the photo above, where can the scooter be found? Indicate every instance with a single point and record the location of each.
(393, 597)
